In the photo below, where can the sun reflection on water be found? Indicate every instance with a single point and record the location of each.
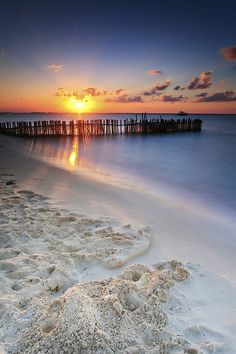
(73, 156)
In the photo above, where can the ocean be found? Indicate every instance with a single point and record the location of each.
(199, 165)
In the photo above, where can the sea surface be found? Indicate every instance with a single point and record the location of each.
(199, 165)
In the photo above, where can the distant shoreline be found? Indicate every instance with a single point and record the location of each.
(74, 113)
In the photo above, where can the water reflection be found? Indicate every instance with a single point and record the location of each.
(73, 157)
(63, 151)
(84, 156)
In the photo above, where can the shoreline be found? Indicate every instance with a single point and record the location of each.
(190, 235)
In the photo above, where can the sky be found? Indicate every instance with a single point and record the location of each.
(118, 56)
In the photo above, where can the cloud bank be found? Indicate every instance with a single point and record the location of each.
(225, 96)
(93, 91)
(170, 98)
(124, 99)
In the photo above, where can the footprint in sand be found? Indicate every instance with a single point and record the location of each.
(50, 321)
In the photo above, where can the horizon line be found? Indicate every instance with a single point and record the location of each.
(85, 113)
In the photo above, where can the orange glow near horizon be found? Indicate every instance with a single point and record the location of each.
(50, 103)
(77, 105)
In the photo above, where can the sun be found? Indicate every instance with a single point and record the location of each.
(80, 104)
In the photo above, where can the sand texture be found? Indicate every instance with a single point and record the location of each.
(47, 305)
(112, 316)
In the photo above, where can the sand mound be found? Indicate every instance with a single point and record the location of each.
(112, 316)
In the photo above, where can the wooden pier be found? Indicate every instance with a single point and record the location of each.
(99, 127)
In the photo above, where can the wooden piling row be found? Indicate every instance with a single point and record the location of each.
(100, 127)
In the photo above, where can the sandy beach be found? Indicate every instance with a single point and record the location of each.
(76, 281)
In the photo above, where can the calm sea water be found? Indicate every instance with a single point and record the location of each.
(201, 164)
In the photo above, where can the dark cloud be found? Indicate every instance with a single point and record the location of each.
(119, 91)
(61, 92)
(170, 98)
(158, 87)
(178, 87)
(162, 85)
(124, 99)
(229, 53)
(226, 96)
(93, 91)
(203, 81)
(154, 72)
(203, 94)
(152, 92)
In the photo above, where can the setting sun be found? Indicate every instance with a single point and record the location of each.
(80, 105)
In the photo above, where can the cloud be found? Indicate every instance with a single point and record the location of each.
(152, 92)
(203, 94)
(170, 98)
(225, 96)
(124, 99)
(162, 86)
(93, 91)
(2, 53)
(229, 53)
(61, 92)
(204, 80)
(154, 72)
(119, 91)
(90, 91)
(158, 87)
(55, 67)
(178, 87)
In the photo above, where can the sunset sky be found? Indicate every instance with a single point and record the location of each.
(118, 56)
